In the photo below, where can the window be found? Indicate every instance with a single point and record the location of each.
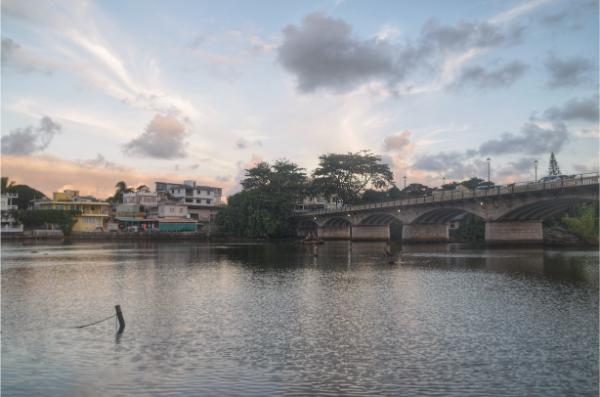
(208, 201)
(171, 209)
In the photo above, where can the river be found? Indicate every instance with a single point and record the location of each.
(291, 319)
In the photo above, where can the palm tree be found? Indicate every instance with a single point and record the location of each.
(142, 188)
(6, 185)
(121, 187)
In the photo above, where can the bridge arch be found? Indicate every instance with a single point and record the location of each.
(442, 215)
(337, 221)
(540, 210)
(379, 219)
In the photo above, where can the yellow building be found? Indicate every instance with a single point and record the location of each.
(93, 214)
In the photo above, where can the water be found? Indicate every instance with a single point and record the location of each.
(270, 319)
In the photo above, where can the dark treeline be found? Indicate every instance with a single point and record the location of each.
(270, 192)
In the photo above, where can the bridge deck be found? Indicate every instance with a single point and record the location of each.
(448, 195)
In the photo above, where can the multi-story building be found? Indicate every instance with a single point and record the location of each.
(201, 201)
(316, 204)
(144, 198)
(93, 215)
(8, 224)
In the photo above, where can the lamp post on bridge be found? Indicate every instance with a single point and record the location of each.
(535, 165)
(404, 177)
(489, 162)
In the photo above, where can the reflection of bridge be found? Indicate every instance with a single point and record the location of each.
(512, 213)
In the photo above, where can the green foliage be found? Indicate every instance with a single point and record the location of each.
(584, 224)
(65, 220)
(121, 187)
(416, 190)
(472, 228)
(472, 183)
(265, 207)
(553, 168)
(6, 185)
(25, 193)
(345, 176)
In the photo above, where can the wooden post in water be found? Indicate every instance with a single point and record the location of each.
(120, 318)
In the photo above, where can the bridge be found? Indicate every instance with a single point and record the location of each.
(512, 213)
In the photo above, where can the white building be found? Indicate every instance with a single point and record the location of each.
(8, 224)
(201, 201)
(318, 203)
(173, 209)
(144, 198)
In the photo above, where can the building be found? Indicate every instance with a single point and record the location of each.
(319, 203)
(144, 198)
(93, 215)
(8, 224)
(202, 202)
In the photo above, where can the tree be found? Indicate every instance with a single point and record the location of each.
(345, 176)
(584, 224)
(472, 183)
(142, 188)
(265, 206)
(553, 168)
(394, 193)
(121, 187)
(6, 185)
(374, 196)
(416, 190)
(65, 220)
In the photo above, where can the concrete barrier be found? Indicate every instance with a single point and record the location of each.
(370, 233)
(425, 233)
(334, 233)
(514, 232)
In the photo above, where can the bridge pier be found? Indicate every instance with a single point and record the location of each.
(425, 233)
(334, 233)
(514, 232)
(370, 232)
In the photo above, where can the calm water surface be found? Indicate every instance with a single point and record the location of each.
(277, 320)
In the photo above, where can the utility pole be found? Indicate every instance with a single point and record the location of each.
(489, 161)
(404, 177)
(535, 165)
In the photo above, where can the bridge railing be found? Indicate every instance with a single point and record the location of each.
(448, 195)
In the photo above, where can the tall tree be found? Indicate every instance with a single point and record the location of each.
(416, 190)
(264, 208)
(345, 176)
(553, 168)
(142, 188)
(6, 185)
(121, 187)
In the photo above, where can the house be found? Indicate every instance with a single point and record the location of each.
(92, 214)
(8, 224)
(144, 198)
(202, 202)
(317, 203)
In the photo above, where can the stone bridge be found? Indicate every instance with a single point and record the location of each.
(512, 213)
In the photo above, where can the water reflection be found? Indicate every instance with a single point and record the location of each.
(261, 319)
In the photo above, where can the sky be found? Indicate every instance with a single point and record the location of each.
(97, 92)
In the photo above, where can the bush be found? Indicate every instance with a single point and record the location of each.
(65, 220)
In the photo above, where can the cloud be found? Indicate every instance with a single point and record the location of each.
(397, 142)
(30, 139)
(450, 164)
(243, 143)
(15, 57)
(501, 77)
(324, 53)
(585, 109)
(162, 139)
(99, 161)
(568, 72)
(97, 180)
(534, 138)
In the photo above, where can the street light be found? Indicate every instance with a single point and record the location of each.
(489, 161)
(535, 165)
(404, 177)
